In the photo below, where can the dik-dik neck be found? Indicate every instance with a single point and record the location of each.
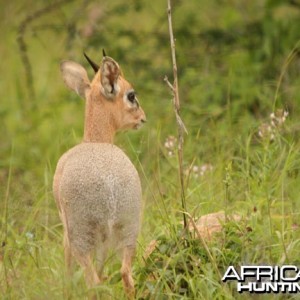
(99, 126)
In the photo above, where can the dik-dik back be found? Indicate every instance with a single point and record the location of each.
(96, 187)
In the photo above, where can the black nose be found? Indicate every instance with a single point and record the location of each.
(143, 120)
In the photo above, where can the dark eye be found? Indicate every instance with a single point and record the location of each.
(131, 97)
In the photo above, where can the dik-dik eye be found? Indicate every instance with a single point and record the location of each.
(131, 97)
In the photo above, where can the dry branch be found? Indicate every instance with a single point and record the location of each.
(176, 103)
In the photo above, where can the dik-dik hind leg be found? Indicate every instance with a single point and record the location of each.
(128, 283)
(86, 263)
(101, 255)
(66, 241)
(68, 254)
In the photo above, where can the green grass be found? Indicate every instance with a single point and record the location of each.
(238, 61)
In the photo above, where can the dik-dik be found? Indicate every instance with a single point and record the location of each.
(96, 187)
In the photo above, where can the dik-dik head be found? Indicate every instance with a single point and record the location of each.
(108, 94)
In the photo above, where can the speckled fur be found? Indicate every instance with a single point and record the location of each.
(101, 194)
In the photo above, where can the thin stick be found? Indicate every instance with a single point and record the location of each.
(176, 102)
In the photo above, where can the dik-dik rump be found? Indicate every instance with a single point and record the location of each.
(96, 187)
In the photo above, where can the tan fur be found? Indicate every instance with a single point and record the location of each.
(96, 187)
(103, 117)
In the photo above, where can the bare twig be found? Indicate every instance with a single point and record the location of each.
(169, 84)
(23, 46)
(176, 102)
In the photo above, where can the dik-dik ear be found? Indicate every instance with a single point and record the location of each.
(75, 77)
(110, 72)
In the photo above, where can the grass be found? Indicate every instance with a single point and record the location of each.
(237, 63)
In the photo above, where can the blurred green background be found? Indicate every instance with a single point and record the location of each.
(238, 61)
